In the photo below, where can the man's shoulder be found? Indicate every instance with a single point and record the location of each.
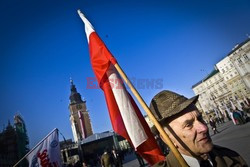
(219, 150)
(170, 161)
(224, 156)
(161, 164)
(228, 156)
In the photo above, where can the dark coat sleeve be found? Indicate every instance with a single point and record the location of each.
(225, 157)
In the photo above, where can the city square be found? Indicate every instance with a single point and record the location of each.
(124, 83)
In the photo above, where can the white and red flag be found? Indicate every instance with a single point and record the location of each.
(47, 152)
(125, 116)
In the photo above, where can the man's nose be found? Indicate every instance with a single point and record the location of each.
(201, 127)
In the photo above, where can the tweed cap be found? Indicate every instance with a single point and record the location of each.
(167, 103)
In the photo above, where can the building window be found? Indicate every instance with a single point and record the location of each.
(223, 71)
(239, 61)
(231, 65)
(245, 57)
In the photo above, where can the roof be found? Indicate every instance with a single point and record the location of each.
(198, 83)
(215, 71)
(238, 46)
(97, 136)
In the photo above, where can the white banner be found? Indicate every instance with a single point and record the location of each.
(47, 153)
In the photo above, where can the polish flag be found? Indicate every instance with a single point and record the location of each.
(125, 116)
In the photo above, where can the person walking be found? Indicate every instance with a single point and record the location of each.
(238, 118)
(106, 159)
(117, 162)
(213, 125)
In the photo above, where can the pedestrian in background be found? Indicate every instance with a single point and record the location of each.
(213, 125)
(116, 158)
(106, 159)
(238, 118)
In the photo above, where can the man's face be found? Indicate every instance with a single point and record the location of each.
(192, 131)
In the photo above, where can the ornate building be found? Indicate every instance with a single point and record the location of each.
(228, 85)
(240, 58)
(211, 91)
(79, 116)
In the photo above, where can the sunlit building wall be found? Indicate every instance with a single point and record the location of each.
(227, 83)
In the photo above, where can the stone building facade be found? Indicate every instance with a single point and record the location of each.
(228, 84)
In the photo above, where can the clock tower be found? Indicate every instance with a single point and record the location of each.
(79, 116)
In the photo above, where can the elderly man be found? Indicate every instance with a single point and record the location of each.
(183, 123)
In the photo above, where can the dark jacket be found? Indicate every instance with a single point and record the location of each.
(212, 123)
(106, 160)
(221, 157)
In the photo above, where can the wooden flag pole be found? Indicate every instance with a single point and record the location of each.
(152, 118)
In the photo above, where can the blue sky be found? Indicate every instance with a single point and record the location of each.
(43, 44)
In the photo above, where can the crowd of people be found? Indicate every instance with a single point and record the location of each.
(113, 159)
(237, 116)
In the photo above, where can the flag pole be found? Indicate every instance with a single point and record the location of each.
(152, 118)
(88, 30)
(35, 147)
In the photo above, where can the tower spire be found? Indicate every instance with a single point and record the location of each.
(79, 116)
(75, 97)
